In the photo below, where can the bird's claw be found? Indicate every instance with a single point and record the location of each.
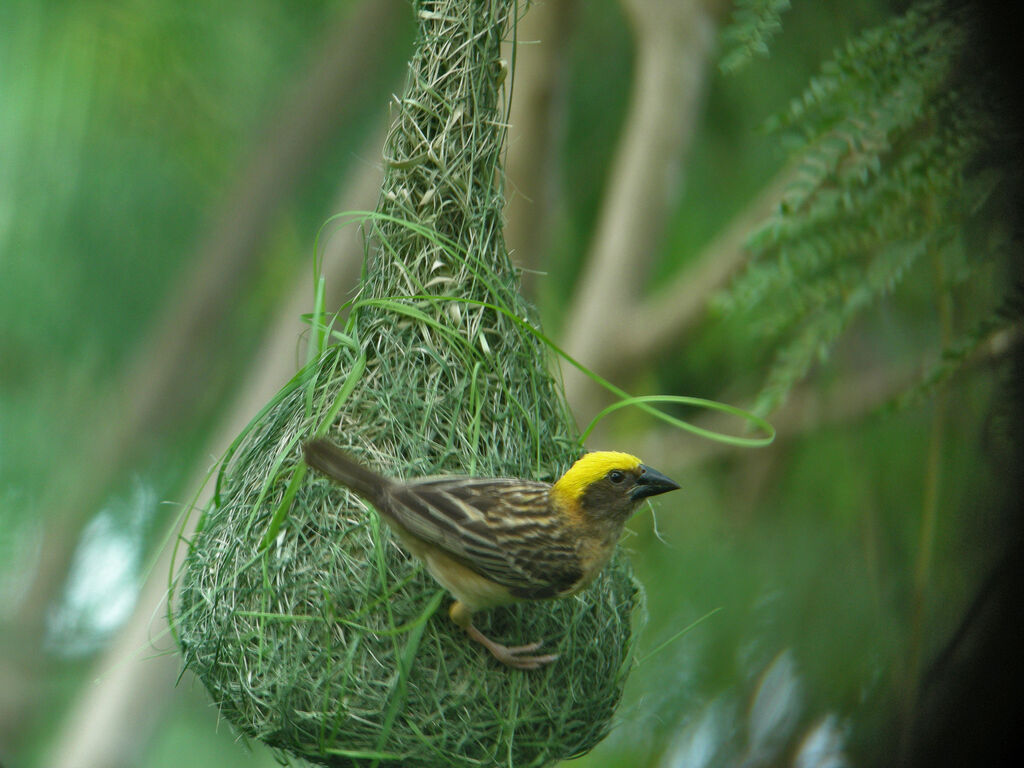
(513, 658)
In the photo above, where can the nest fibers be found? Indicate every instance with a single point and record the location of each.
(311, 627)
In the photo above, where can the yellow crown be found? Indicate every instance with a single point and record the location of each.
(591, 468)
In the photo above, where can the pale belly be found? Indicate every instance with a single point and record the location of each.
(467, 586)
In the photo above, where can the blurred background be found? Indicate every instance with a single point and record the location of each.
(166, 172)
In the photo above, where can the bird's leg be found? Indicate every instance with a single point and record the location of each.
(461, 614)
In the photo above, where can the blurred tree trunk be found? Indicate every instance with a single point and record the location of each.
(541, 47)
(175, 366)
(130, 679)
(674, 42)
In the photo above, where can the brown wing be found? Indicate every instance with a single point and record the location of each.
(501, 529)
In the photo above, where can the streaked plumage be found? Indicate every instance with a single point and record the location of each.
(492, 541)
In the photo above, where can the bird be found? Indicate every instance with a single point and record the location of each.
(494, 541)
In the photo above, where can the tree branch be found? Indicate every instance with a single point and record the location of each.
(663, 319)
(129, 680)
(673, 44)
(174, 367)
(541, 37)
(809, 409)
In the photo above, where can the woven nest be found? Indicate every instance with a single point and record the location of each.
(313, 630)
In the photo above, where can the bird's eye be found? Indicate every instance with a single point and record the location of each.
(616, 476)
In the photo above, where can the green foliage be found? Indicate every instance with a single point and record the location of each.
(995, 329)
(883, 140)
(121, 124)
(754, 24)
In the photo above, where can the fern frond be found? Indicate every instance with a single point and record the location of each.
(883, 144)
(754, 23)
(1003, 326)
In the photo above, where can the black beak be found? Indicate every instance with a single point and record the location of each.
(650, 483)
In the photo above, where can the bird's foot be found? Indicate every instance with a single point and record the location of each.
(512, 656)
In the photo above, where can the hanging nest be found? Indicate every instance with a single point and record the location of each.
(313, 630)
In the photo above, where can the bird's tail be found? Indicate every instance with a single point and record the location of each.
(340, 467)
